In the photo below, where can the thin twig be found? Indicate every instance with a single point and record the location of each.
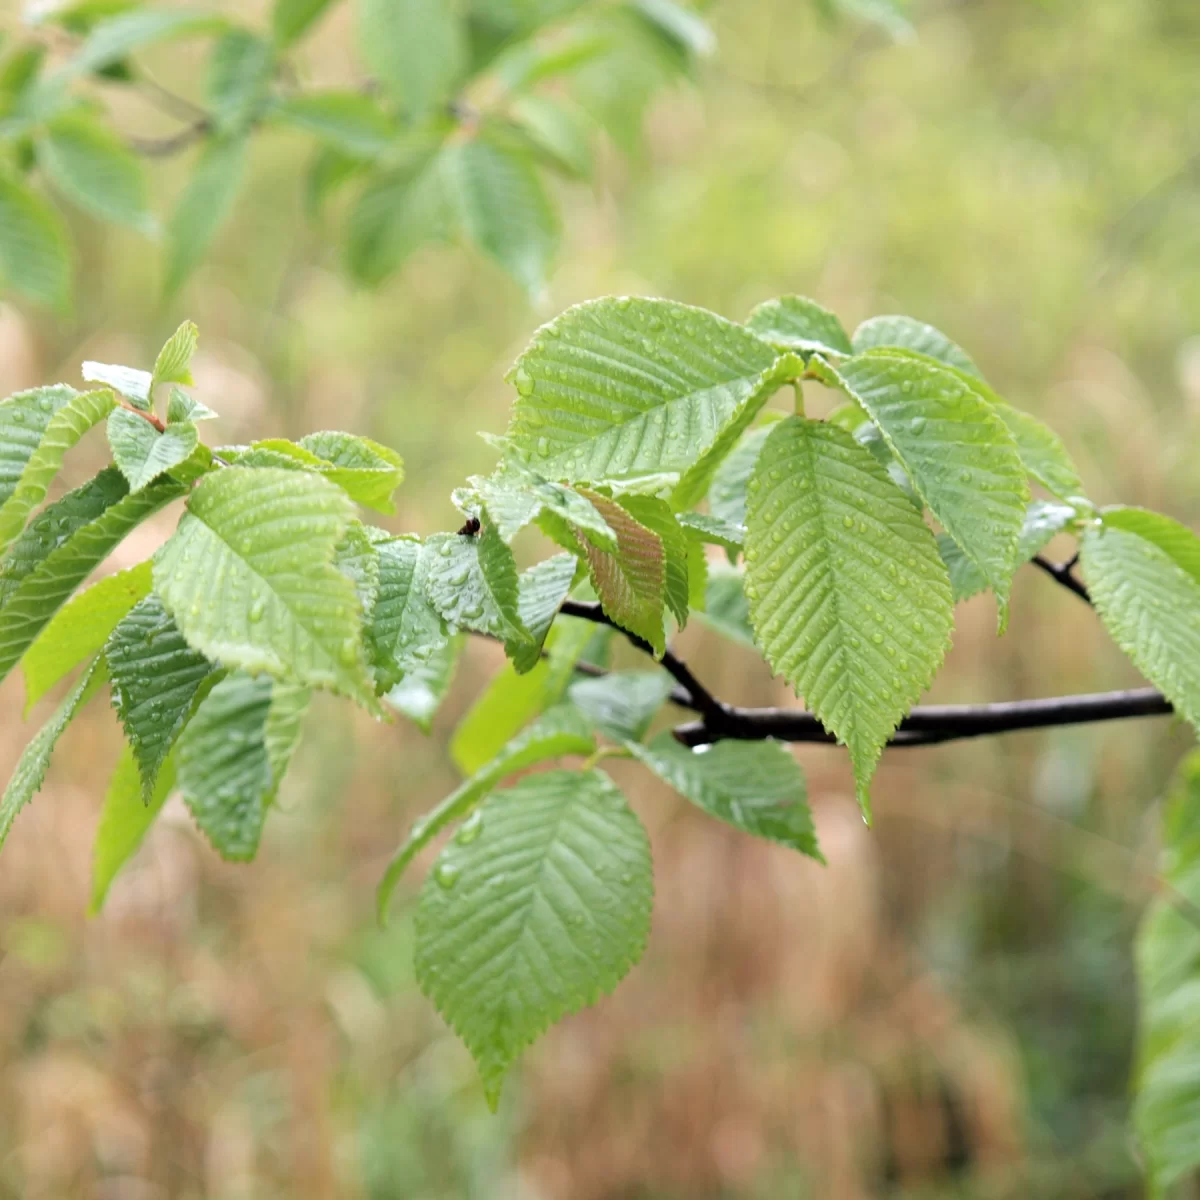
(165, 147)
(1062, 573)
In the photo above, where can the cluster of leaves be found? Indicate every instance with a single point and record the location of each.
(641, 445)
(465, 110)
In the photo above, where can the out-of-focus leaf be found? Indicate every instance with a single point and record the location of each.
(239, 77)
(349, 121)
(291, 19)
(34, 254)
(415, 48)
(203, 208)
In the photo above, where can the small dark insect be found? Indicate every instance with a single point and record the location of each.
(471, 528)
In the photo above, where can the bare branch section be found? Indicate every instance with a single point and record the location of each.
(926, 725)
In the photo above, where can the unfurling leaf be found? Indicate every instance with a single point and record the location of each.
(142, 452)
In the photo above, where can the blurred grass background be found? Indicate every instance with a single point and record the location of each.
(947, 1010)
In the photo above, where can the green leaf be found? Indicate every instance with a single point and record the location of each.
(727, 494)
(472, 582)
(290, 19)
(681, 24)
(142, 452)
(399, 210)
(503, 209)
(156, 677)
(797, 323)
(1166, 1106)
(31, 769)
(541, 592)
(1042, 451)
(366, 471)
(1044, 519)
(726, 609)
(511, 700)
(181, 407)
(173, 364)
(622, 705)
(37, 429)
(889, 15)
(631, 581)
(629, 391)
(756, 787)
(503, 955)
(281, 734)
(224, 769)
(958, 453)
(404, 630)
(517, 496)
(420, 693)
(416, 48)
(904, 333)
(94, 169)
(1143, 573)
(239, 77)
(559, 131)
(349, 121)
(358, 560)
(249, 578)
(124, 822)
(849, 599)
(656, 515)
(34, 255)
(559, 732)
(80, 628)
(119, 37)
(203, 208)
(46, 586)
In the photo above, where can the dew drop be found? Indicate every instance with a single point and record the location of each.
(543, 447)
(917, 425)
(348, 654)
(446, 874)
(848, 522)
(906, 386)
(877, 638)
(523, 382)
(256, 612)
(444, 549)
(472, 827)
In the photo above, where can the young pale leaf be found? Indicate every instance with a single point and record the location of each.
(290, 19)
(420, 693)
(727, 494)
(125, 820)
(129, 382)
(904, 333)
(1143, 573)
(622, 705)
(156, 677)
(625, 391)
(348, 121)
(46, 584)
(797, 323)
(1167, 1091)
(849, 600)
(1044, 520)
(142, 452)
(511, 700)
(558, 732)
(203, 208)
(181, 407)
(173, 364)
(404, 629)
(503, 208)
(249, 578)
(517, 496)
(94, 169)
(415, 48)
(955, 449)
(239, 78)
(631, 582)
(34, 438)
(726, 609)
(700, 527)
(656, 515)
(472, 582)
(224, 769)
(366, 471)
(503, 953)
(80, 628)
(35, 760)
(756, 787)
(35, 258)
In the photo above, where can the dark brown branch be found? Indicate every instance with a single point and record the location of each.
(1063, 574)
(931, 724)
